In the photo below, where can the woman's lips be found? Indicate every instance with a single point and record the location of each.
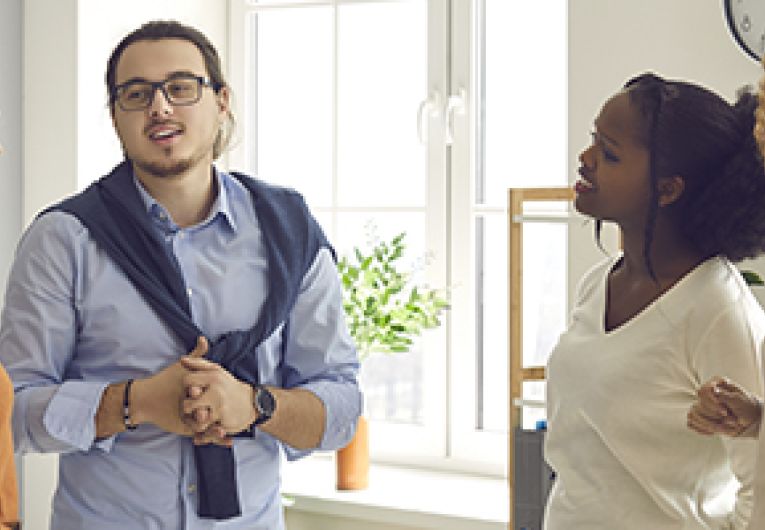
(584, 186)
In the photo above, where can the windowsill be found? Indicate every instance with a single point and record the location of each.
(397, 495)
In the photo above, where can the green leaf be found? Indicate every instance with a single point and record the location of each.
(752, 278)
(384, 312)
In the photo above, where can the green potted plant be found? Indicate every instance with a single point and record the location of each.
(385, 314)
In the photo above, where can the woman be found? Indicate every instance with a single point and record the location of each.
(676, 168)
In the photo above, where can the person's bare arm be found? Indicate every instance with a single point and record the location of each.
(227, 407)
(156, 400)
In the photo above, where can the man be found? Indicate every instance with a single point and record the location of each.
(166, 256)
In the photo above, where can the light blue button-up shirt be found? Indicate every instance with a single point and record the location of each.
(73, 323)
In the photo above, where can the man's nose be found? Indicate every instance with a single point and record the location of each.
(159, 104)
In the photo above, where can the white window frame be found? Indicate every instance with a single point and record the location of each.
(424, 445)
(448, 438)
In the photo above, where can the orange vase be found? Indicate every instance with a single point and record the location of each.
(353, 460)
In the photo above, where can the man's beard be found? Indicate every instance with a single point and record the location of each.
(171, 168)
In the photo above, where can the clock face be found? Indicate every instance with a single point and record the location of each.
(746, 21)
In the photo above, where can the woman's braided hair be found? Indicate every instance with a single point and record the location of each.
(693, 133)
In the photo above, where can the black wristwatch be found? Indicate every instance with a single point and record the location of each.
(264, 403)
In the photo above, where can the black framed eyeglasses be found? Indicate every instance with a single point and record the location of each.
(178, 90)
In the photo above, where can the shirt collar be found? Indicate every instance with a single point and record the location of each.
(222, 204)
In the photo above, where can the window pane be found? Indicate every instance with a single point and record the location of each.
(544, 289)
(364, 229)
(382, 76)
(525, 97)
(392, 389)
(521, 143)
(544, 307)
(533, 393)
(294, 110)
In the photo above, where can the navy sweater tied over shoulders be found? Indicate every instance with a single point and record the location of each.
(116, 218)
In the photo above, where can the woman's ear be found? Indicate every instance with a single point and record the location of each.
(670, 189)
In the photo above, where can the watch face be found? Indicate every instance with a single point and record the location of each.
(746, 21)
(265, 402)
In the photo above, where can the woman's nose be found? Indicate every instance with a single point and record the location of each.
(586, 157)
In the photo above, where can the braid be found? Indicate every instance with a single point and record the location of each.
(654, 91)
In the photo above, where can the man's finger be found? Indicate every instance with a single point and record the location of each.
(215, 434)
(197, 363)
(194, 391)
(189, 406)
(200, 350)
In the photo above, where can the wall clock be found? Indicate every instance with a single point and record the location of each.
(746, 22)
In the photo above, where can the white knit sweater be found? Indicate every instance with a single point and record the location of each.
(617, 404)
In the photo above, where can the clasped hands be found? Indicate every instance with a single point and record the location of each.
(723, 407)
(195, 397)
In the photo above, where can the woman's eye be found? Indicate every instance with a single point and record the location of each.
(607, 153)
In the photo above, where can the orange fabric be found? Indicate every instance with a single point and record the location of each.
(9, 494)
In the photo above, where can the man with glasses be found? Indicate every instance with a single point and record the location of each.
(173, 328)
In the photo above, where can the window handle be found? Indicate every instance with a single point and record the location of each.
(429, 108)
(454, 105)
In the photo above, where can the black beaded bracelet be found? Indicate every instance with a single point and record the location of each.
(126, 407)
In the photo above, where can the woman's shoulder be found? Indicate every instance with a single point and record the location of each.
(595, 277)
(717, 292)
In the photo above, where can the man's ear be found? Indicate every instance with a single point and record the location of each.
(670, 189)
(224, 100)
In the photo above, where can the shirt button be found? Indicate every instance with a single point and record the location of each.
(192, 489)
(162, 215)
(189, 292)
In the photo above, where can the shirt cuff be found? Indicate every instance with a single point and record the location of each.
(70, 414)
(342, 404)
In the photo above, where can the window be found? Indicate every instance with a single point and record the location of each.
(416, 116)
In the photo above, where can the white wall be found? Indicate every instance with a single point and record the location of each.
(10, 131)
(50, 116)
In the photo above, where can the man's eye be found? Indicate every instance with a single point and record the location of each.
(181, 89)
(608, 155)
(136, 94)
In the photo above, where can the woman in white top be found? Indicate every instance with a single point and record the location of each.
(676, 168)
(725, 407)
